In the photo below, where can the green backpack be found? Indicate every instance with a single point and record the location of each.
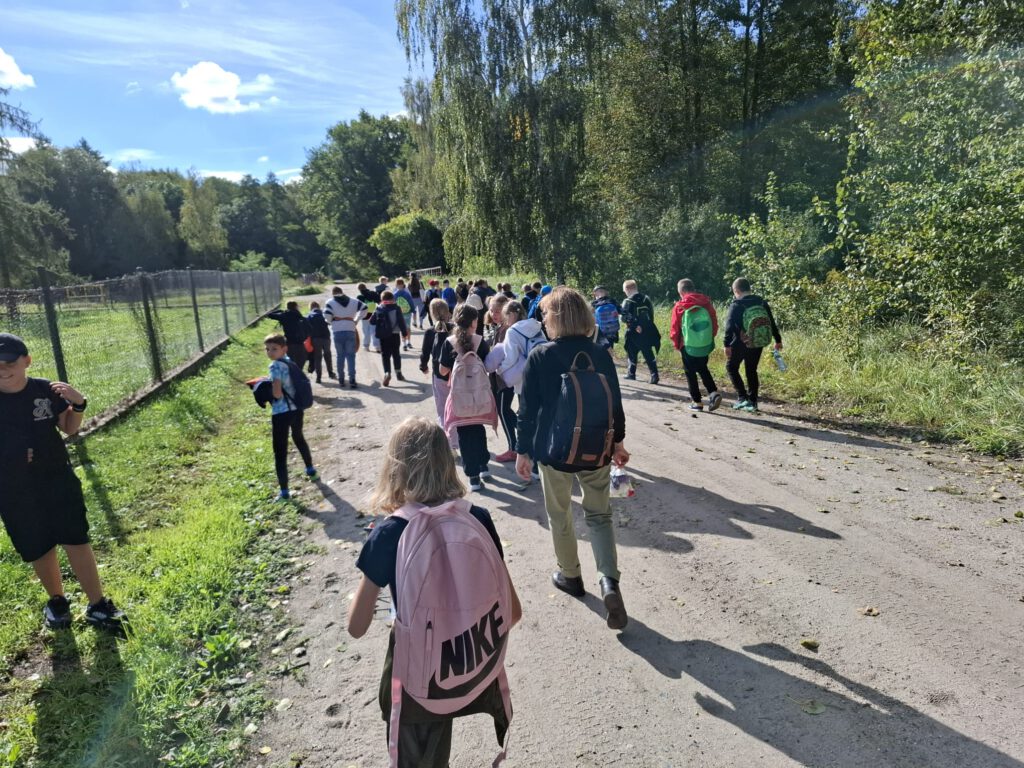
(757, 327)
(698, 332)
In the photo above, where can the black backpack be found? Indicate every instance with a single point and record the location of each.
(582, 426)
(303, 388)
(384, 322)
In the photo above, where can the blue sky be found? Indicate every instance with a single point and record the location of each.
(220, 86)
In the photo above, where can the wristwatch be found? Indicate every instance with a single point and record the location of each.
(80, 408)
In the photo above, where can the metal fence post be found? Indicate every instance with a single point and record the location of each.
(51, 322)
(241, 300)
(224, 305)
(255, 301)
(195, 308)
(147, 311)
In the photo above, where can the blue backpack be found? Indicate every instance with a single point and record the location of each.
(303, 388)
(607, 316)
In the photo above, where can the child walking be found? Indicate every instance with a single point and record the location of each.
(390, 328)
(472, 436)
(693, 331)
(433, 343)
(285, 416)
(418, 487)
(42, 504)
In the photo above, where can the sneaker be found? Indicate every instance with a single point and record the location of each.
(57, 613)
(283, 495)
(312, 474)
(535, 475)
(399, 376)
(654, 378)
(475, 484)
(352, 383)
(485, 474)
(318, 381)
(506, 457)
(741, 405)
(341, 384)
(387, 380)
(751, 407)
(331, 376)
(105, 615)
(631, 376)
(714, 400)
(696, 407)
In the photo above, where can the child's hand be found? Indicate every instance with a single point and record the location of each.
(67, 392)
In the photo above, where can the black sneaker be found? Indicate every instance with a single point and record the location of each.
(399, 376)
(57, 613)
(106, 615)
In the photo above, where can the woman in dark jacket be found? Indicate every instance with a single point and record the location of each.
(569, 322)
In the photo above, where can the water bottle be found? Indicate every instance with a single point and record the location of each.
(778, 360)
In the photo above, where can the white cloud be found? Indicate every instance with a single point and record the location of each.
(19, 144)
(262, 159)
(11, 75)
(133, 155)
(235, 176)
(132, 87)
(208, 86)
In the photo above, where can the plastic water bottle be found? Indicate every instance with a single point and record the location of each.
(778, 360)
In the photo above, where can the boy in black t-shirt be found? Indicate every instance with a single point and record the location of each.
(42, 505)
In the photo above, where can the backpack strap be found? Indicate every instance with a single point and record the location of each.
(590, 362)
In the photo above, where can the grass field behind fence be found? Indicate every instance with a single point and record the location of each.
(188, 542)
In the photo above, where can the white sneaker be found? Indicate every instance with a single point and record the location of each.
(486, 474)
(475, 484)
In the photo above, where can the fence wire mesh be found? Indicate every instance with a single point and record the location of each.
(119, 336)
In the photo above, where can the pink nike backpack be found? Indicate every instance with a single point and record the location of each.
(454, 614)
(470, 398)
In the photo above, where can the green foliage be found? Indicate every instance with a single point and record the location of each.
(256, 262)
(407, 242)
(347, 188)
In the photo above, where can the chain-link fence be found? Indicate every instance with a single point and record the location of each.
(113, 338)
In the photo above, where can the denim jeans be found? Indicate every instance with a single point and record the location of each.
(345, 346)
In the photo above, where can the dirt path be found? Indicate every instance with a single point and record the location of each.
(748, 534)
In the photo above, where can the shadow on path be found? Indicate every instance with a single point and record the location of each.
(751, 693)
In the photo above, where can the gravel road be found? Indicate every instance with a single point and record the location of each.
(748, 534)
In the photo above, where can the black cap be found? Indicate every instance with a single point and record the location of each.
(11, 348)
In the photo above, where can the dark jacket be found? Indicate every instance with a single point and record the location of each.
(296, 327)
(318, 325)
(527, 300)
(734, 320)
(648, 335)
(433, 343)
(542, 382)
(397, 318)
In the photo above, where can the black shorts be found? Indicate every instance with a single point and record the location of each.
(42, 514)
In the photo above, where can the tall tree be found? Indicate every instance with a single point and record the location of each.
(346, 189)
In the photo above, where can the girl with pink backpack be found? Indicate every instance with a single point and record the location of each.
(470, 405)
(454, 600)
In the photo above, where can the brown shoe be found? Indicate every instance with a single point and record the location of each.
(612, 598)
(571, 585)
(387, 379)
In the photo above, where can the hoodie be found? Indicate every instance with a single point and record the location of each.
(520, 338)
(686, 302)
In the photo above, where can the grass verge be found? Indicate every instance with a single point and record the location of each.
(190, 545)
(895, 381)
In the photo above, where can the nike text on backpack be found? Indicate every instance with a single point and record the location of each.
(583, 425)
(607, 317)
(454, 614)
(757, 327)
(698, 332)
(470, 397)
(303, 398)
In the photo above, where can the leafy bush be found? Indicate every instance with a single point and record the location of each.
(408, 242)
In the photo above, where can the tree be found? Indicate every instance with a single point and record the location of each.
(205, 240)
(346, 189)
(408, 242)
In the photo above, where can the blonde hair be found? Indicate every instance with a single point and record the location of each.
(513, 311)
(419, 466)
(566, 313)
(629, 285)
(440, 314)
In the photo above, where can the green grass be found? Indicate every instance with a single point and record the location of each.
(896, 381)
(178, 499)
(106, 348)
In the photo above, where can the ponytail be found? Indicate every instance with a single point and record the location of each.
(465, 321)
